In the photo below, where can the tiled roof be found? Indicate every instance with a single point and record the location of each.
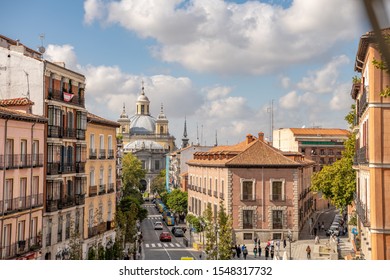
(320, 131)
(260, 153)
(255, 153)
(8, 113)
(96, 119)
(22, 101)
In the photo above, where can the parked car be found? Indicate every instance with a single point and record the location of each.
(165, 236)
(158, 225)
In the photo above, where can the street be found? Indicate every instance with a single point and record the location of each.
(152, 247)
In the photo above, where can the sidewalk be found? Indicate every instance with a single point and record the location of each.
(298, 247)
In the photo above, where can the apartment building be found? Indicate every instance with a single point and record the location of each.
(372, 158)
(22, 140)
(259, 185)
(100, 201)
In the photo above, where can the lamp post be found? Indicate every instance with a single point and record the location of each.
(289, 235)
(216, 242)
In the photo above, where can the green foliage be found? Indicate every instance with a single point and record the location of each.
(211, 236)
(126, 204)
(337, 182)
(177, 201)
(356, 80)
(225, 239)
(195, 222)
(382, 66)
(158, 183)
(353, 220)
(350, 118)
(133, 172)
(75, 244)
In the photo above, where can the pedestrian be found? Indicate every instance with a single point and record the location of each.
(322, 226)
(238, 251)
(244, 251)
(255, 240)
(234, 251)
(259, 251)
(258, 242)
(266, 252)
(315, 231)
(319, 226)
(284, 243)
(278, 246)
(272, 251)
(317, 240)
(255, 251)
(308, 252)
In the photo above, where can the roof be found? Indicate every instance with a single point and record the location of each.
(22, 101)
(142, 124)
(249, 153)
(7, 113)
(99, 120)
(320, 131)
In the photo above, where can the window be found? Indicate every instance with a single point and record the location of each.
(77, 222)
(92, 142)
(59, 231)
(21, 229)
(92, 178)
(247, 219)
(277, 190)
(8, 193)
(248, 236)
(81, 120)
(35, 153)
(9, 152)
(101, 142)
(109, 142)
(67, 227)
(23, 153)
(277, 219)
(142, 109)
(34, 230)
(157, 165)
(35, 190)
(101, 176)
(23, 193)
(109, 181)
(247, 190)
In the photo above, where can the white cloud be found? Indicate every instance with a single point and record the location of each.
(341, 99)
(325, 79)
(94, 10)
(64, 53)
(289, 101)
(218, 92)
(225, 37)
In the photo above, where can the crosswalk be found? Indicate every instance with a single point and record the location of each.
(164, 245)
(154, 217)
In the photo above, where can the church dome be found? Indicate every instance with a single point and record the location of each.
(143, 98)
(142, 124)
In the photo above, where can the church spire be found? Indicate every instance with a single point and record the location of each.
(184, 140)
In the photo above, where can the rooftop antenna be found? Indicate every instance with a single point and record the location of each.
(41, 47)
(197, 135)
(271, 111)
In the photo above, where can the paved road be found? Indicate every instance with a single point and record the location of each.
(152, 247)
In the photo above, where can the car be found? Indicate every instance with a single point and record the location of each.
(158, 225)
(178, 232)
(165, 236)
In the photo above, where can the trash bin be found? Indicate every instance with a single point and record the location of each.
(185, 241)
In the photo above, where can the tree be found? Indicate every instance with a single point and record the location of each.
(177, 201)
(75, 244)
(133, 172)
(211, 234)
(225, 239)
(126, 204)
(158, 183)
(337, 182)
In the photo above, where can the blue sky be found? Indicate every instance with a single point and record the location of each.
(217, 63)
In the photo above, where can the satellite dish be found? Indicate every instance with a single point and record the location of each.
(42, 49)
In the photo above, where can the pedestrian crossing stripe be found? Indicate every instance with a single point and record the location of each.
(160, 245)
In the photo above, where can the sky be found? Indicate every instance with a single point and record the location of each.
(227, 67)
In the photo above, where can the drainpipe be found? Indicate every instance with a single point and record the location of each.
(4, 150)
(262, 186)
(31, 182)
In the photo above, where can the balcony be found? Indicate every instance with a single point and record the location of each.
(68, 168)
(48, 239)
(80, 199)
(111, 188)
(216, 194)
(58, 95)
(52, 205)
(53, 168)
(98, 229)
(92, 191)
(13, 250)
(66, 202)
(209, 192)
(363, 102)
(362, 211)
(69, 133)
(80, 134)
(92, 154)
(221, 195)
(21, 203)
(80, 167)
(102, 154)
(361, 156)
(204, 190)
(110, 154)
(54, 131)
(102, 189)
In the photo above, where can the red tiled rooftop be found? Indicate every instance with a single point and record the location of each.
(22, 101)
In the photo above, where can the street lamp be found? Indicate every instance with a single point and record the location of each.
(216, 241)
(289, 236)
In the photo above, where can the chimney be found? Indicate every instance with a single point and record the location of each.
(261, 136)
(249, 138)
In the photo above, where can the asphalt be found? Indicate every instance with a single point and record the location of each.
(298, 247)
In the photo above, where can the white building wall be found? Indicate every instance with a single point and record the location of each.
(15, 67)
(283, 139)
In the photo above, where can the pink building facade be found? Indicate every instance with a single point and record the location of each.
(22, 142)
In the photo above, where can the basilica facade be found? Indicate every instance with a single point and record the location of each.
(146, 137)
